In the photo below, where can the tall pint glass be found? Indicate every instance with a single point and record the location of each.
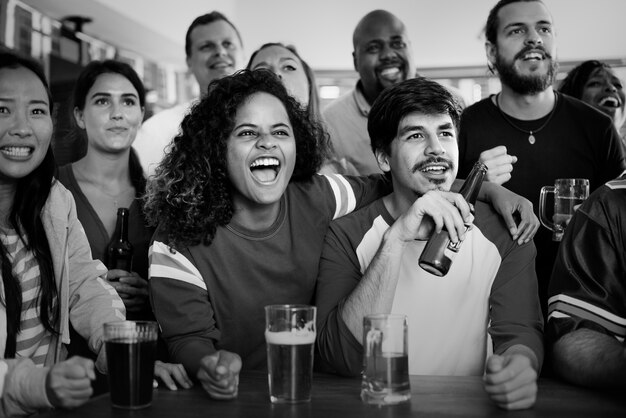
(131, 353)
(290, 336)
(385, 360)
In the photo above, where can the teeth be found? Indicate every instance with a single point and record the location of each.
(609, 101)
(533, 55)
(265, 162)
(390, 72)
(434, 168)
(17, 151)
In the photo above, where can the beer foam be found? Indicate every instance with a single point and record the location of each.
(290, 338)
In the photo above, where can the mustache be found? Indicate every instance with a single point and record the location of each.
(433, 160)
(529, 48)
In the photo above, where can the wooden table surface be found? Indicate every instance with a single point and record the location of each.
(339, 397)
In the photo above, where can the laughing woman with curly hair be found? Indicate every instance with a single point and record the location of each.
(242, 218)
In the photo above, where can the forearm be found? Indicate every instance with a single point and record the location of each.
(524, 351)
(590, 358)
(24, 389)
(189, 352)
(376, 290)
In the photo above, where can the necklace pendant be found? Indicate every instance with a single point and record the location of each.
(531, 139)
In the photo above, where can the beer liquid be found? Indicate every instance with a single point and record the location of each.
(131, 370)
(564, 208)
(386, 378)
(290, 366)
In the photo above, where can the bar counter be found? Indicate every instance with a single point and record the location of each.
(334, 396)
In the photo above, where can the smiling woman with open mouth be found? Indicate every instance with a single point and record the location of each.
(242, 217)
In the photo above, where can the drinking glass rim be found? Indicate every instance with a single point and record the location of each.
(289, 307)
(129, 321)
(572, 180)
(391, 316)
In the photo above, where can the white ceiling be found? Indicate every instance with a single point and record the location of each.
(444, 32)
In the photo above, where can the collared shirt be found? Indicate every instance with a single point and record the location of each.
(346, 122)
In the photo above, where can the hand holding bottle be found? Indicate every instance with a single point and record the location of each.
(131, 287)
(431, 213)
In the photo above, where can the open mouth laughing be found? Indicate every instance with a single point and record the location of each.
(611, 102)
(391, 73)
(265, 169)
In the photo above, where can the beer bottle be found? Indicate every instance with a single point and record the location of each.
(120, 252)
(439, 250)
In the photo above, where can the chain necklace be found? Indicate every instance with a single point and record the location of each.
(532, 132)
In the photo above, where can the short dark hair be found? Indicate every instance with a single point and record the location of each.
(205, 19)
(418, 94)
(491, 28)
(574, 83)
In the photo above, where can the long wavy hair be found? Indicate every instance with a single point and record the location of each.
(191, 194)
(314, 98)
(87, 78)
(31, 194)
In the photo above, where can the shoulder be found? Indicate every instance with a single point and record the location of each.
(356, 224)
(477, 108)
(60, 197)
(580, 109)
(607, 201)
(493, 228)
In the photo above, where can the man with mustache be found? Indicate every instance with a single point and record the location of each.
(369, 263)
(383, 57)
(545, 134)
(214, 49)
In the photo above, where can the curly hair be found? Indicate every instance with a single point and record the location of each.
(191, 194)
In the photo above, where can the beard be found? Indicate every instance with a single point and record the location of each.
(525, 84)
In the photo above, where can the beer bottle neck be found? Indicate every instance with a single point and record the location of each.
(472, 184)
(121, 228)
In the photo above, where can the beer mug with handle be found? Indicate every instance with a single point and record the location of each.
(569, 194)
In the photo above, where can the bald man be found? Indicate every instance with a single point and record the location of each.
(383, 57)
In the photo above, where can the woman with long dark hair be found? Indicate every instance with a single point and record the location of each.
(109, 103)
(48, 276)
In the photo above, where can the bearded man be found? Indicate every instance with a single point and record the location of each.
(545, 134)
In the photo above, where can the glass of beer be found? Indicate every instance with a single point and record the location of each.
(290, 335)
(569, 194)
(385, 360)
(131, 352)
